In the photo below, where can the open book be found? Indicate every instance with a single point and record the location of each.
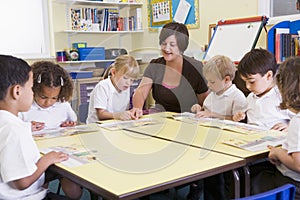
(118, 125)
(78, 154)
(219, 123)
(62, 131)
(258, 144)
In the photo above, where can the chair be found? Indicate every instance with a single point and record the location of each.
(285, 192)
(83, 111)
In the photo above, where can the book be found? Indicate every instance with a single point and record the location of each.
(119, 125)
(136, 13)
(237, 127)
(63, 131)
(78, 154)
(257, 144)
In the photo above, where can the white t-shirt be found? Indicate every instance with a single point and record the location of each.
(52, 116)
(292, 144)
(18, 157)
(228, 103)
(264, 111)
(105, 96)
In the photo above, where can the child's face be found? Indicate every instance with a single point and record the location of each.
(47, 97)
(122, 81)
(215, 84)
(258, 84)
(27, 94)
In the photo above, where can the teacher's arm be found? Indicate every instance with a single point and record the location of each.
(140, 95)
(201, 97)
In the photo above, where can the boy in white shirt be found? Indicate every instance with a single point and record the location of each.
(225, 99)
(21, 167)
(258, 68)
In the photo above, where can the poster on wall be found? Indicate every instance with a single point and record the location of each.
(161, 12)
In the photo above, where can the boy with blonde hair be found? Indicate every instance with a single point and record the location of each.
(225, 99)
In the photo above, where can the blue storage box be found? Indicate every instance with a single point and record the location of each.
(81, 74)
(91, 53)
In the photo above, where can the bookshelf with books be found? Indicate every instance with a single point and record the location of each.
(108, 23)
(283, 40)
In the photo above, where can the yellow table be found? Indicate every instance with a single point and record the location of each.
(205, 138)
(130, 165)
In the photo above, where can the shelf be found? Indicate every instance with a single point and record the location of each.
(99, 3)
(92, 61)
(103, 32)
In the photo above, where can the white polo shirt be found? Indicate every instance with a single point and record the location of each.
(52, 116)
(264, 111)
(228, 103)
(292, 145)
(105, 96)
(18, 157)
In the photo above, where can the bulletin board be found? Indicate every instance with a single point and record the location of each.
(161, 12)
(234, 38)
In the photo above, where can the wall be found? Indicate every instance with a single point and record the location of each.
(209, 12)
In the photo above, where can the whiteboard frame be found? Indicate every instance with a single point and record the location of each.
(244, 44)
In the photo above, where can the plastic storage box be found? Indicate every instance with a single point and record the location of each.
(91, 53)
(81, 74)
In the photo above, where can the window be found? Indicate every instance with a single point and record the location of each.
(278, 10)
(24, 29)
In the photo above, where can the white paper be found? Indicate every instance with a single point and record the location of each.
(182, 11)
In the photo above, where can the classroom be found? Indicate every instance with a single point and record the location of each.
(137, 143)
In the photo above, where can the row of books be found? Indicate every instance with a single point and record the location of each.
(105, 19)
(119, 1)
(286, 44)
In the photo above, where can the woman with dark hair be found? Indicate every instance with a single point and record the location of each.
(175, 79)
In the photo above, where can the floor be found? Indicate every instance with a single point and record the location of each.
(170, 194)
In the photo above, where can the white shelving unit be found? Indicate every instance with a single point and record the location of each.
(107, 39)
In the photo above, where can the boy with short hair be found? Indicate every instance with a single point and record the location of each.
(21, 167)
(258, 68)
(225, 99)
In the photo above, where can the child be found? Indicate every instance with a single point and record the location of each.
(21, 169)
(257, 69)
(225, 99)
(287, 158)
(111, 97)
(53, 88)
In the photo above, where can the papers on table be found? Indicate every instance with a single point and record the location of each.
(264, 137)
(78, 155)
(118, 125)
(62, 131)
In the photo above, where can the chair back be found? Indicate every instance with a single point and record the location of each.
(83, 111)
(285, 192)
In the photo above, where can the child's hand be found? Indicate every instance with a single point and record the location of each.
(53, 157)
(68, 124)
(273, 158)
(136, 113)
(205, 113)
(238, 116)
(196, 108)
(126, 115)
(37, 126)
(280, 127)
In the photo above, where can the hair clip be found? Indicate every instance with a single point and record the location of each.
(61, 81)
(39, 79)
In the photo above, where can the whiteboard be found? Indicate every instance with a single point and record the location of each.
(234, 40)
(24, 28)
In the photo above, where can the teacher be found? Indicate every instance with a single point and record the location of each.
(175, 79)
